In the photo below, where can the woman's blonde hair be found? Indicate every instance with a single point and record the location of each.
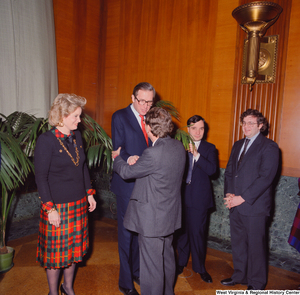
(64, 105)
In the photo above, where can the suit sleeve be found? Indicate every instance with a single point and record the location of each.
(143, 167)
(118, 135)
(209, 162)
(228, 183)
(266, 173)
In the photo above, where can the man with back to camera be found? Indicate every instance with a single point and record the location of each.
(154, 209)
(249, 175)
(198, 199)
(128, 132)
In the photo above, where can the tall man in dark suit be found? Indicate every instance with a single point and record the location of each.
(249, 175)
(128, 132)
(154, 209)
(198, 198)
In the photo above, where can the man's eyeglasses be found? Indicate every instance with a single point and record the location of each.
(143, 102)
(248, 124)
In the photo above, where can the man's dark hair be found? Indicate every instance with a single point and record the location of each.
(160, 122)
(260, 118)
(194, 119)
(143, 86)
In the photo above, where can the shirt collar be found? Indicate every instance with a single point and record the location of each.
(154, 142)
(59, 134)
(253, 137)
(136, 113)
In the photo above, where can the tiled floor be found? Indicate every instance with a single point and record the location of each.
(99, 273)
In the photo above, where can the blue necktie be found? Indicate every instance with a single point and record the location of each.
(189, 175)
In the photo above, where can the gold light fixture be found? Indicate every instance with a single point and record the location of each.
(259, 53)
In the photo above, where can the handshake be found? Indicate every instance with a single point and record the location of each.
(131, 160)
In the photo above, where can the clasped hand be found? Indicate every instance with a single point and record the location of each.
(193, 150)
(231, 200)
(131, 160)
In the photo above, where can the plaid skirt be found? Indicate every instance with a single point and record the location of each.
(294, 239)
(62, 246)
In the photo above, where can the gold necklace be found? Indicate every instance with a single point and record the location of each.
(76, 150)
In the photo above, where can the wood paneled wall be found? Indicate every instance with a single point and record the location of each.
(186, 49)
(77, 29)
(289, 139)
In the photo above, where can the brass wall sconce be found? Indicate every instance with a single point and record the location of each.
(260, 53)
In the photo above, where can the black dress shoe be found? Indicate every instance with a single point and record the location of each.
(136, 279)
(228, 282)
(62, 290)
(128, 291)
(179, 269)
(205, 276)
(250, 288)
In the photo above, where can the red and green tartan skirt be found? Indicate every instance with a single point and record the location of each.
(62, 246)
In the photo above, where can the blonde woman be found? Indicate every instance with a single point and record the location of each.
(65, 191)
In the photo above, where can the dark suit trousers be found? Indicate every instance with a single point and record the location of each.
(249, 249)
(157, 265)
(128, 248)
(193, 239)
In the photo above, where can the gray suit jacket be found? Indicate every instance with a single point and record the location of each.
(253, 180)
(154, 208)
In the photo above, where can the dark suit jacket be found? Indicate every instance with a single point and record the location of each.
(126, 133)
(199, 193)
(253, 180)
(154, 208)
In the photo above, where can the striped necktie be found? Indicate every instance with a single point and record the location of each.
(243, 152)
(190, 169)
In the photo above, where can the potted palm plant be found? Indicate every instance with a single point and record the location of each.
(18, 135)
(15, 165)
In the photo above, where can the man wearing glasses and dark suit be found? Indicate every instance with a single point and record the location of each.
(249, 176)
(128, 132)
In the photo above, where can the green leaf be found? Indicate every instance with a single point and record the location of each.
(184, 137)
(168, 106)
(98, 144)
